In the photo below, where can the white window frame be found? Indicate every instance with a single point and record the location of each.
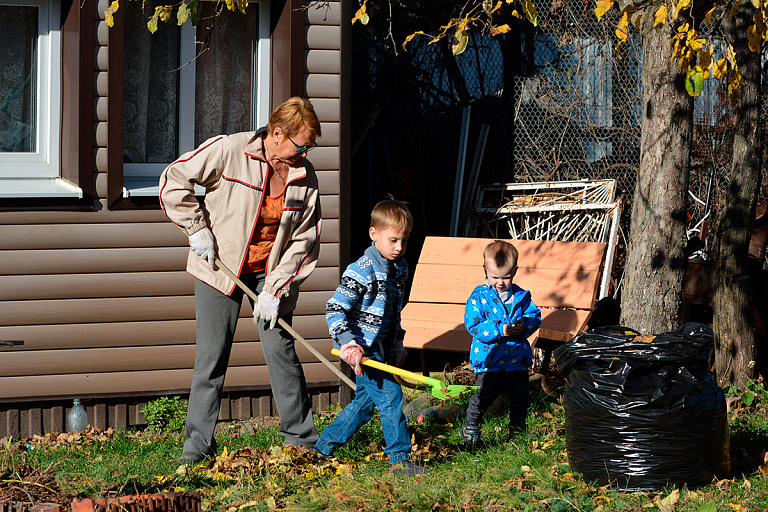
(141, 179)
(37, 174)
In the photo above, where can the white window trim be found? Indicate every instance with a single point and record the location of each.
(28, 175)
(141, 179)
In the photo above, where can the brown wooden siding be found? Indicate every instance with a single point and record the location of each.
(101, 299)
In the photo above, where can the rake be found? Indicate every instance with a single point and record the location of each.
(439, 389)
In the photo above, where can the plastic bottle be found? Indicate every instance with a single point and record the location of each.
(77, 418)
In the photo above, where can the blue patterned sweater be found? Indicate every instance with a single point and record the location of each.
(356, 310)
(484, 316)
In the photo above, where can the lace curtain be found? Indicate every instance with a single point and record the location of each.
(18, 80)
(224, 77)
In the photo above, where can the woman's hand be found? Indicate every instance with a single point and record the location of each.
(201, 243)
(353, 354)
(266, 309)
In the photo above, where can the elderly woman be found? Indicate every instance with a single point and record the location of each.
(261, 218)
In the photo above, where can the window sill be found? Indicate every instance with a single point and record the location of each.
(147, 187)
(39, 188)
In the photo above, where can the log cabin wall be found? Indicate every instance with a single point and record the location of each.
(102, 302)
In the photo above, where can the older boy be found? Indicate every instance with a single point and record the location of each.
(500, 316)
(364, 321)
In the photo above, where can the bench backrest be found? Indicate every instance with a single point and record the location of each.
(563, 278)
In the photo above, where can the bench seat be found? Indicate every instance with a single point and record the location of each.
(563, 278)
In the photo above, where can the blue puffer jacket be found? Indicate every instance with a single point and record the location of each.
(484, 316)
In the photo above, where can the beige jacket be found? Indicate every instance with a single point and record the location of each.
(233, 171)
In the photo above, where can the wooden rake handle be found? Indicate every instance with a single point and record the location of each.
(287, 327)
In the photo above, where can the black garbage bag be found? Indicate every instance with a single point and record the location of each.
(644, 412)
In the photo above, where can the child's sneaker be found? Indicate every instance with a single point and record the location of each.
(470, 433)
(407, 467)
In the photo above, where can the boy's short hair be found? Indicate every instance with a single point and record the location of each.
(501, 253)
(392, 213)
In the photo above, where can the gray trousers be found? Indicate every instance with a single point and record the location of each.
(216, 316)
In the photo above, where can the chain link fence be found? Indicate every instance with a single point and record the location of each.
(558, 102)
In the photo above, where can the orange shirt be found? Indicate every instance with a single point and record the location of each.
(265, 233)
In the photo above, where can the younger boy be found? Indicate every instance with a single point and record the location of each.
(500, 316)
(364, 321)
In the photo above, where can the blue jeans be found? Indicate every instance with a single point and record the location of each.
(379, 389)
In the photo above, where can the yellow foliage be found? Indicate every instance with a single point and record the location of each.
(708, 16)
(732, 11)
(754, 38)
(362, 16)
(516, 14)
(660, 18)
(110, 12)
(462, 39)
(719, 69)
(603, 6)
(530, 12)
(501, 29)
(684, 4)
(622, 31)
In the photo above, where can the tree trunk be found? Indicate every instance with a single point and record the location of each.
(735, 351)
(656, 260)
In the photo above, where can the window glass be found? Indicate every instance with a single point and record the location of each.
(18, 78)
(173, 100)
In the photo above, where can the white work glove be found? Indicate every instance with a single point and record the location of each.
(353, 354)
(201, 243)
(266, 309)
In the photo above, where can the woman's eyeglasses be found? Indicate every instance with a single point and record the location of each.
(303, 149)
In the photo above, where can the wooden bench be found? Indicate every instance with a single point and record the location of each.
(563, 278)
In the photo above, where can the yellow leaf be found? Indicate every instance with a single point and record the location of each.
(530, 12)
(720, 69)
(408, 39)
(230, 4)
(697, 44)
(661, 16)
(501, 29)
(753, 38)
(516, 14)
(359, 14)
(731, 56)
(242, 5)
(674, 13)
(756, 4)
(603, 6)
(622, 31)
(110, 12)
(708, 16)
(496, 8)
(462, 39)
(732, 11)
(684, 4)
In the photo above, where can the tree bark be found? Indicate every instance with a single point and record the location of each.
(652, 295)
(735, 350)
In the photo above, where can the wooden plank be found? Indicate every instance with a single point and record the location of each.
(441, 326)
(323, 37)
(154, 383)
(142, 334)
(70, 236)
(330, 206)
(452, 284)
(323, 86)
(330, 137)
(136, 358)
(534, 254)
(127, 309)
(142, 259)
(322, 61)
(326, 162)
(102, 215)
(328, 110)
(325, 13)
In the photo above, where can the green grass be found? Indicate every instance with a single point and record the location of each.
(253, 472)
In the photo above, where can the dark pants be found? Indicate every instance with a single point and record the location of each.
(492, 384)
(216, 315)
